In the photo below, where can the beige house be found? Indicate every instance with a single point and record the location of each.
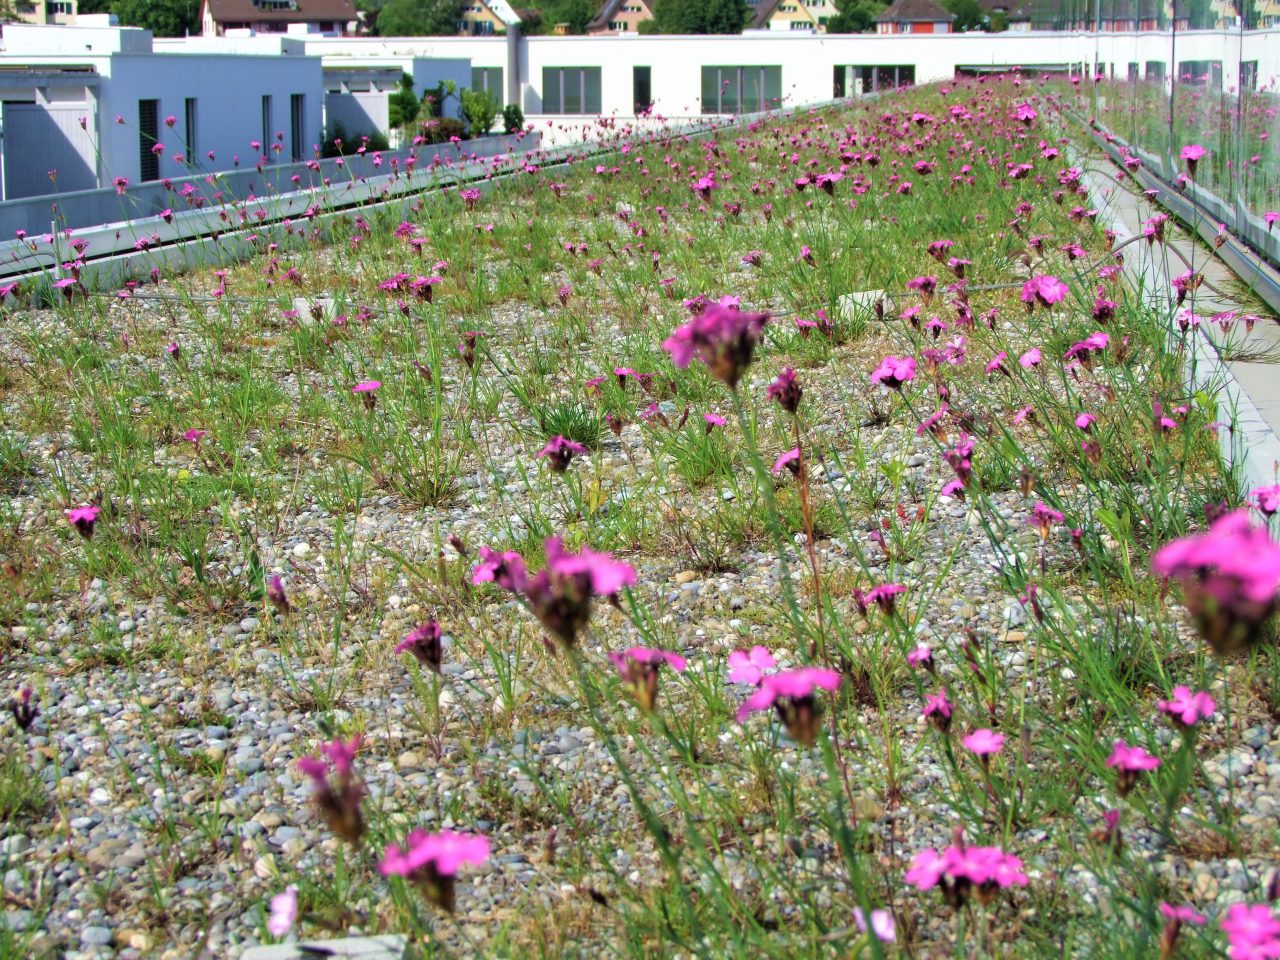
(486, 18)
(60, 12)
(620, 16)
(791, 14)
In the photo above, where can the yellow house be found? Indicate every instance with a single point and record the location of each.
(62, 12)
(791, 14)
(481, 19)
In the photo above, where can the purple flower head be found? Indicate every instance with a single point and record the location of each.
(1130, 763)
(638, 668)
(1043, 518)
(276, 593)
(1266, 499)
(983, 742)
(430, 861)
(284, 911)
(722, 337)
(786, 390)
(560, 452)
(881, 926)
(1253, 932)
(1187, 708)
(1044, 291)
(921, 656)
(788, 461)
(893, 372)
(506, 570)
(791, 694)
(938, 710)
(1191, 155)
(338, 790)
(84, 518)
(424, 644)
(750, 667)
(1230, 579)
(713, 420)
(24, 709)
(960, 870)
(885, 596)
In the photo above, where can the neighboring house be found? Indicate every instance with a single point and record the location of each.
(914, 16)
(791, 14)
(1117, 16)
(487, 18)
(620, 16)
(329, 17)
(61, 12)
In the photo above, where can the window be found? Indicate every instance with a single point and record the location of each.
(488, 79)
(642, 88)
(1249, 75)
(297, 125)
(148, 137)
(266, 128)
(571, 90)
(189, 114)
(740, 89)
(55, 7)
(1133, 71)
(1155, 69)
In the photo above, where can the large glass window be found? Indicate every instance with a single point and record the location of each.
(571, 90)
(741, 89)
(642, 88)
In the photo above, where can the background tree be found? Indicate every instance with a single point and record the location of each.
(968, 15)
(574, 14)
(699, 16)
(855, 16)
(419, 18)
(164, 18)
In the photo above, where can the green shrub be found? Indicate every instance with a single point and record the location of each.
(480, 109)
(512, 118)
(441, 129)
(338, 144)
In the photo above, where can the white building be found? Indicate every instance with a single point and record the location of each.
(82, 106)
(569, 81)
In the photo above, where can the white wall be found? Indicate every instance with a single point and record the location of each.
(228, 92)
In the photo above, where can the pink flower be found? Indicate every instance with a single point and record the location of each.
(893, 372)
(750, 667)
(884, 595)
(1192, 154)
(638, 668)
(84, 518)
(1253, 932)
(1085, 421)
(424, 645)
(983, 742)
(921, 656)
(1266, 499)
(560, 594)
(1183, 914)
(720, 336)
(366, 386)
(1045, 291)
(284, 911)
(1044, 517)
(1187, 708)
(937, 710)
(959, 869)
(338, 791)
(195, 436)
(786, 390)
(1130, 763)
(788, 461)
(882, 926)
(1030, 359)
(1230, 579)
(1125, 757)
(791, 694)
(560, 452)
(713, 420)
(431, 862)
